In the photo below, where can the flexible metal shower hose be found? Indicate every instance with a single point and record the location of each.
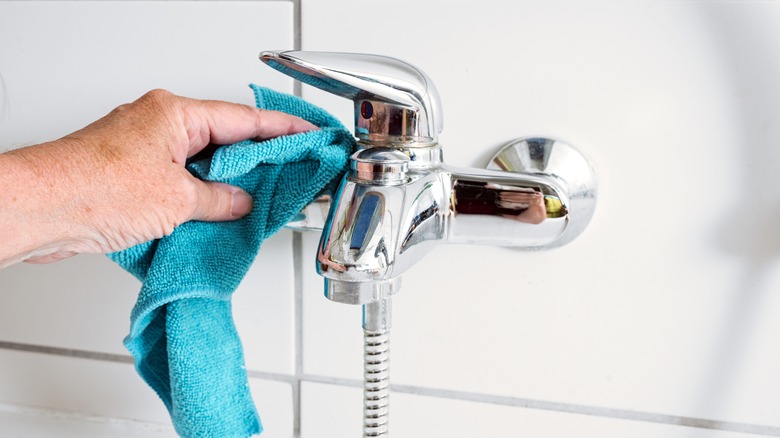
(376, 384)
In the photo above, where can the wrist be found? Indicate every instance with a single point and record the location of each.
(37, 203)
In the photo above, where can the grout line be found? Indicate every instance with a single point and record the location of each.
(69, 352)
(297, 24)
(296, 407)
(297, 243)
(297, 246)
(276, 377)
(299, 377)
(123, 423)
(160, 1)
(570, 408)
(623, 414)
(339, 381)
(297, 39)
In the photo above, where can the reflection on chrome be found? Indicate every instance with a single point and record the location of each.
(380, 225)
(400, 200)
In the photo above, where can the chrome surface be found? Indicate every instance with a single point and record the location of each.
(377, 318)
(395, 102)
(361, 292)
(312, 217)
(399, 199)
(375, 232)
(379, 165)
(376, 384)
(562, 162)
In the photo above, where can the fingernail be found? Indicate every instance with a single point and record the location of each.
(240, 204)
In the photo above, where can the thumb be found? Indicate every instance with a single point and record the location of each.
(220, 202)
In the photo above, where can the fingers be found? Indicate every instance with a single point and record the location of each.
(220, 202)
(519, 196)
(217, 122)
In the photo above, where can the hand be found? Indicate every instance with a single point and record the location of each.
(529, 205)
(121, 180)
(518, 200)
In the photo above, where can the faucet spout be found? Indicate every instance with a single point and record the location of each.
(361, 251)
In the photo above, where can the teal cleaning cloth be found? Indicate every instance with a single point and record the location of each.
(182, 335)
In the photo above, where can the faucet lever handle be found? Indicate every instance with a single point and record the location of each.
(396, 104)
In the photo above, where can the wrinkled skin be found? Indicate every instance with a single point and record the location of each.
(121, 180)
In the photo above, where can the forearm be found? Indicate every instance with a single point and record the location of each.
(36, 202)
(121, 180)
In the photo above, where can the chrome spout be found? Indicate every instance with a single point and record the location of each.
(543, 194)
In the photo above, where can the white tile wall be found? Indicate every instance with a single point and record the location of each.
(114, 390)
(418, 416)
(26, 422)
(91, 387)
(667, 307)
(84, 303)
(64, 64)
(669, 301)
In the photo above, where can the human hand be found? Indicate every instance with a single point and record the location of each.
(518, 200)
(121, 180)
(529, 205)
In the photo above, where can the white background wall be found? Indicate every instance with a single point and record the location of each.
(663, 319)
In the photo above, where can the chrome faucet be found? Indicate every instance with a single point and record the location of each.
(399, 199)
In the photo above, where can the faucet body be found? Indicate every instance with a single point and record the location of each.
(399, 199)
(385, 218)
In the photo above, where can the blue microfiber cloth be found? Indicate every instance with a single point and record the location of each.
(182, 335)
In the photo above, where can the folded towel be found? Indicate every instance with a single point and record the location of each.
(182, 335)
